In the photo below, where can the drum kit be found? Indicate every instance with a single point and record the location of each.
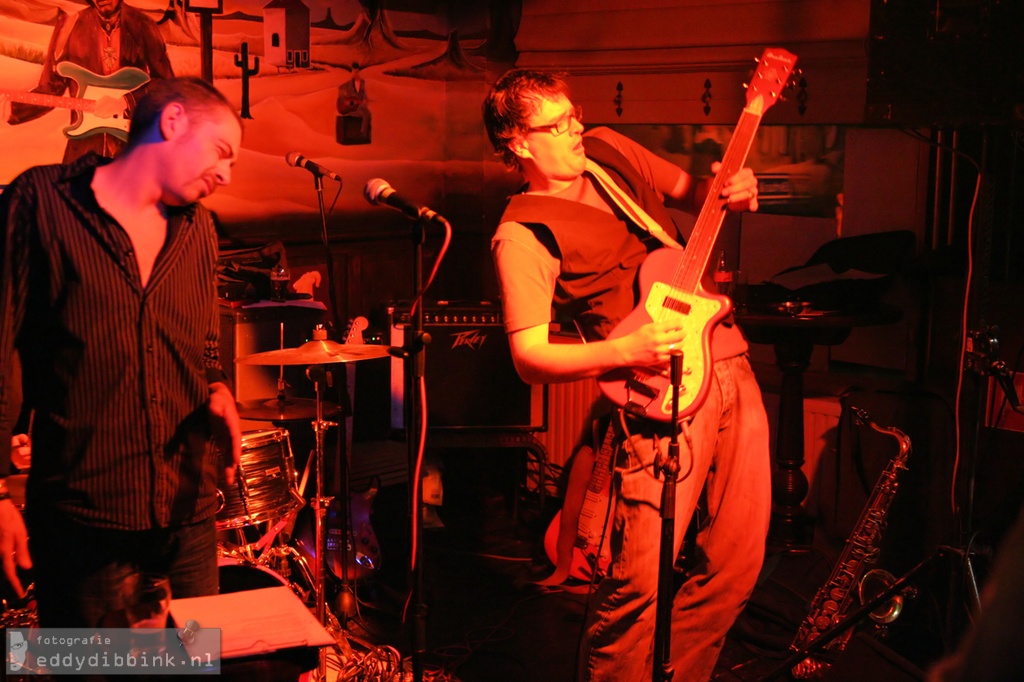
(264, 505)
(269, 493)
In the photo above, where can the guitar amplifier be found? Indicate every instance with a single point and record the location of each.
(470, 380)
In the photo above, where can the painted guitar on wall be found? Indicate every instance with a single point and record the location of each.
(670, 280)
(92, 88)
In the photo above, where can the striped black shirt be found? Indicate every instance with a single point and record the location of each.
(118, 374)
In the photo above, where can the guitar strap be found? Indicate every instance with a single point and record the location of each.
(633, 210)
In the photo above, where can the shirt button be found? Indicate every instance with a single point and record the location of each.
(149, 348)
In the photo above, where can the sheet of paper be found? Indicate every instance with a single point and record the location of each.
(254, 621)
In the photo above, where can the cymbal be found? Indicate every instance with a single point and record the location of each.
(319, 352)
(283, 409)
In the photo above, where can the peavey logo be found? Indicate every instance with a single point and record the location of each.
(473, 338)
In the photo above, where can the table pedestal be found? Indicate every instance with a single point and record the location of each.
(790, 524)
(794, 338)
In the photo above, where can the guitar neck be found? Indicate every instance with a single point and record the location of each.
(53, 101)
(705, 232)
(602, 463)
(773, 71)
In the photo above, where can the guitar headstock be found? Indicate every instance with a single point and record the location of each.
(355, 330)
(772, 75)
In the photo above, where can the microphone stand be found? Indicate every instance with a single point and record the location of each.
(322, 503)
(413, 351)
(667, 466)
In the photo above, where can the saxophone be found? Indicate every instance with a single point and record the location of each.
(835, 596)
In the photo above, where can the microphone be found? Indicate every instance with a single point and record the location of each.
(380, 193)
(300, 161)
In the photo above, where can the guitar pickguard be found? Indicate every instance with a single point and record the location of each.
(91, 88)
(647, 391)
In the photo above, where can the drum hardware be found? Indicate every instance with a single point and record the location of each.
(21, 613)
(282, 408)
(317, 354)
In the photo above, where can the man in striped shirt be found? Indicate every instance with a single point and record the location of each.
(107, 294)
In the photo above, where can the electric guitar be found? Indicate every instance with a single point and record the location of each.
(670, 279)
(92, 87)
(577, 541)
(360, 545)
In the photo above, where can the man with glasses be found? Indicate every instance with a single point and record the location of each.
(571, 243)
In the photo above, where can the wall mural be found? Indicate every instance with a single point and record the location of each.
(366, 91)
(364, 87)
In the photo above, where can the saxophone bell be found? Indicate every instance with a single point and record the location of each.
(875, 582)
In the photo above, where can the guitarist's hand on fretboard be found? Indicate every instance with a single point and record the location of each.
(740, 190)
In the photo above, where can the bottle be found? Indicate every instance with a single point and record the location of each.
(723, 276)
(279, 280)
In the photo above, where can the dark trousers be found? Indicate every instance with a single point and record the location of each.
(86, 576)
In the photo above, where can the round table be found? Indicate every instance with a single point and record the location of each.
(793, 337)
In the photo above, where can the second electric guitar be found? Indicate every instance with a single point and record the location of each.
(670, 279)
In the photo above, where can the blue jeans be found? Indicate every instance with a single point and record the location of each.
(85, 576)
(731, 455)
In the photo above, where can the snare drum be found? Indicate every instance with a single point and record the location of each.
(265, 490)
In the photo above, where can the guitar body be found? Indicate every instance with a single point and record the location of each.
(362, 548)
(92, 86)
(581, 558)
(578, 540)
(647, 391)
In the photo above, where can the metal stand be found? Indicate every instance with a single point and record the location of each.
(320, 505)
(668, 468)
(413, 352)
(982, 357)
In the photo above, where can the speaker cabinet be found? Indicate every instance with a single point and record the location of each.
(470, 380)
(945, 62)
(262, 327)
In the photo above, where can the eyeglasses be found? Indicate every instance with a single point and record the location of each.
(562, 125)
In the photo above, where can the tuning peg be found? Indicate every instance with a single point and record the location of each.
(801, 94)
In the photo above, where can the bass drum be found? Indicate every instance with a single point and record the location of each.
(237, 576)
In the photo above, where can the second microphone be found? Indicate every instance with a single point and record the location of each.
(379, 193)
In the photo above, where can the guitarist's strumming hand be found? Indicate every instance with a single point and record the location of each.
(108, 107)
(651, 344)
(739, 191)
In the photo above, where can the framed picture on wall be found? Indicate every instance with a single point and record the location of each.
(216, 6)
(799, 167)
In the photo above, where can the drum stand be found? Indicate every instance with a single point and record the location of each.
(320, 504)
